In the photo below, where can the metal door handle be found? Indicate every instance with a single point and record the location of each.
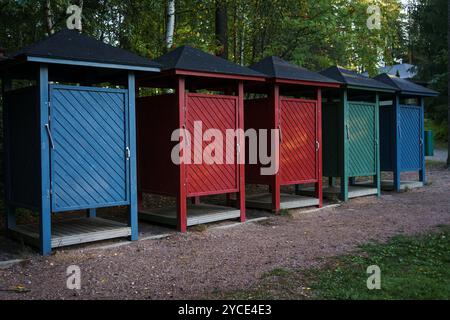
(128, 153)
(348, 131)
(50, 138)
(281, 133)
(317, 146)
(399, 131)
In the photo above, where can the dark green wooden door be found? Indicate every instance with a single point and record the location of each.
(361, 135)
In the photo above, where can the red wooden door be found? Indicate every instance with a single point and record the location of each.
(220, 113)
(299, 141)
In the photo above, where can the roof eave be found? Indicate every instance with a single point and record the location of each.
(304, 83)
(421, 94)
(91, 64)
(370, 89)
(183, 72)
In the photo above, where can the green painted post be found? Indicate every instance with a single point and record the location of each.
(345, 146)
(377, 178)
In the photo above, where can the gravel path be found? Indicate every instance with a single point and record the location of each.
(198, 264)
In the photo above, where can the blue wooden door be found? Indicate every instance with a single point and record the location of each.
(410, 136)
(90, 156)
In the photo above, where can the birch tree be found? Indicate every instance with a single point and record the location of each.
(170, 27)
(48, 16)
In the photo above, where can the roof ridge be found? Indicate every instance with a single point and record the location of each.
(189, 58)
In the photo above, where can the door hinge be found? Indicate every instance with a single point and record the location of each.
(128, 153)
(49, 105)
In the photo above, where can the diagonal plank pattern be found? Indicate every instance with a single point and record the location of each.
(362, 133)
(89, 167)
(215, 112)
(410, 135)
(298, 156)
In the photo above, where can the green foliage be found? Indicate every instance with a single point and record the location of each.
(313, 33)
(440, 130)
(412, 267)
(428, 31)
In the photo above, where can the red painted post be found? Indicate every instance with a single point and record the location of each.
(241, 164)
(181, 201)
(319, 187)
(276, 188)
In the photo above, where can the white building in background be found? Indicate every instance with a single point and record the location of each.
(404, 70)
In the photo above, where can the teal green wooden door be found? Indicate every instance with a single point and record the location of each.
(361, 135)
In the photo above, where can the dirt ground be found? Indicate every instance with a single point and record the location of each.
(199, 264)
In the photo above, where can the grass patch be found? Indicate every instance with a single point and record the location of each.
(412, 267)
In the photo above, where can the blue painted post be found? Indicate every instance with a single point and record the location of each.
(133, 218)
(10, 214)
(377, 178)
(345, 146)
(45, 219)
(91, 213)
(396, 144)
(422, 173)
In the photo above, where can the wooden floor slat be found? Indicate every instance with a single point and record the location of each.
(77, 231)
(197, 214)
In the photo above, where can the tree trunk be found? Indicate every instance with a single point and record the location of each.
(170, 27)
(222, 28)
(48, 16)
(81, 4)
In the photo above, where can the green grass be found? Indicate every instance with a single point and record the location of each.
(411, 268)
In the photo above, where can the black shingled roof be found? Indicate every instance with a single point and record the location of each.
(405, 86)
(72, 45)
(191, 59)
(354, 79)
(275, 67)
